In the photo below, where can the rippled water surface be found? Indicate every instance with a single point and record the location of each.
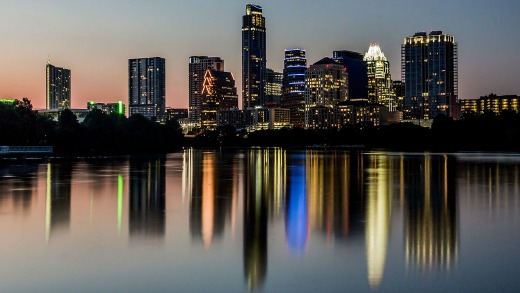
(263, 220)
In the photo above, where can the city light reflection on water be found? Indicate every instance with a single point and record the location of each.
(262, 220)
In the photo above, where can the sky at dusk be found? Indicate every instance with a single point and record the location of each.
(96, 38)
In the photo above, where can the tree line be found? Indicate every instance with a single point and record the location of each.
(102, 133)
(99, 133)
(486, 132)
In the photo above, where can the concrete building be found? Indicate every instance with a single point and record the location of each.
(326, 84)
(491, 103)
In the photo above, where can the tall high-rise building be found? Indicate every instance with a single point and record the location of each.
(273, 88)
(147, 87)
(58, 87)
(218, 93)
(379, 79)
(326, 85)
(398, 88)
(293, 85)
(357, 73)
(253, 57)
(197, 68)
(430, 72)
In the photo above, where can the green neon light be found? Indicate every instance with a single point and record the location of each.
(48, 204)
(120, 109)
(7, 101)
(120, 185)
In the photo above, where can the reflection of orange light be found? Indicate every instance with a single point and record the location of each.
(208, 199)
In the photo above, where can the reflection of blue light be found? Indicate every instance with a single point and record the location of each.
(296, 74)
(296, 224)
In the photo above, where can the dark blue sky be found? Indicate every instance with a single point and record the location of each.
(95, 38)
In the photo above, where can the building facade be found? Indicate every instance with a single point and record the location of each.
(380, 90)
(253, 119)
(430, 72)
(293, 85)
(398, 88)
(57, 87)
(491, 103)
(357, 73)
(358, 112)
(253, 57)
(147, 87)
(108, 108)
(273, 88)
(176, 113)
(197, 68)
(326, 84)
(218, 93)
(240, 119)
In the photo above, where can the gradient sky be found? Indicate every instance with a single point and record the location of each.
(95, 38)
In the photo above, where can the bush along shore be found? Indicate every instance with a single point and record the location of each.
(114, 134)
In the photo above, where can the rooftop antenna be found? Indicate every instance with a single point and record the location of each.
(48, 59)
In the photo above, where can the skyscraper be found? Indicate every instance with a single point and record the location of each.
(197, 68)
(357, 73)
(273, 88)
(326, 85)
(218, 93)
(253, 57)
(293, 85)
(57, 87)
(379, 79)
(147, 87)
(430, 72)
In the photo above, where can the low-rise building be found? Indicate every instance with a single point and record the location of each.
(490, 103)
(108, 108)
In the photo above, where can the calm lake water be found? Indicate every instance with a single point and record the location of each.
(262, 220)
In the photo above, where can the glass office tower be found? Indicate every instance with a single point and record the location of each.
(253, 57)
(293, 85)
(57, 87)
(146, 87)
(430, 72)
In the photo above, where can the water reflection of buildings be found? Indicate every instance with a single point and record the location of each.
(211, 180)
(431, 212)
(496, 180)
(58, 199)
(296, 222)
(264, 191)
(335, 193)
(378, 217)
(147, 198)
(18, 186)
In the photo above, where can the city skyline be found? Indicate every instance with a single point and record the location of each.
(98, 51)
